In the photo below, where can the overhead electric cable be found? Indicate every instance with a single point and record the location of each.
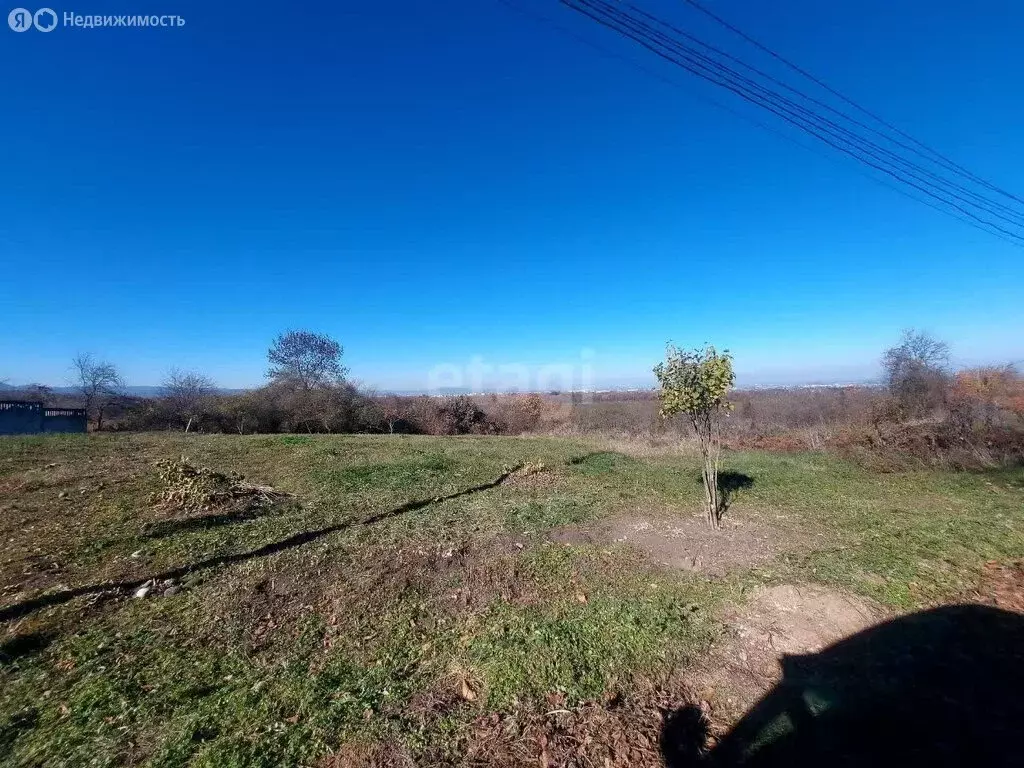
(643, 28)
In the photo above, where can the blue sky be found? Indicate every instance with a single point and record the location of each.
(436, 182)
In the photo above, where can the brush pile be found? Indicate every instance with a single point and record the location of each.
(197, 489)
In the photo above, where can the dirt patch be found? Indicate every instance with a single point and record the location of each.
(1002, 586)
(535, 482)
(687, 543)
(777, 622)
(574, 535)
(360, 754)
(615, 733)
(620, 731)
(10, 486)
(352, 587)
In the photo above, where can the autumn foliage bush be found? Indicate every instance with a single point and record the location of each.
(981, 425)
(990, 394)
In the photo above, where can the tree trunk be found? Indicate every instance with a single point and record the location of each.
(711, 493)
(709, 449)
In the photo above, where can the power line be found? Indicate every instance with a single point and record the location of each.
(994, 207)
(543, 19)
(949, 193)
(939, 156)
(795, 110)
(781, 107)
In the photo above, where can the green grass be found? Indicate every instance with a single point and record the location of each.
(281, 658)
(610, 627)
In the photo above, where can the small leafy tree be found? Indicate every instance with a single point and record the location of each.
(695, 383)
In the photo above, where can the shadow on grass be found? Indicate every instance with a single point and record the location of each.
(584, 458)
(600, 462)
(20, 646)
(297, 540)
(16, 723)
(729, 484)
(165, 528)
(937, 688)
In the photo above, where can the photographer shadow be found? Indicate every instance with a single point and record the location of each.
(937, 688)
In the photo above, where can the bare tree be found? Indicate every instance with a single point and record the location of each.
(98, 383)
(36, 391)
(306, 360)
(916, 372)
(185, 393)
(392, 411)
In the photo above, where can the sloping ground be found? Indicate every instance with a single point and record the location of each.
(775, 623)
(435, 601)
(939, 687)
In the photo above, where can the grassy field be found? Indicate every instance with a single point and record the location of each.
(413, 595)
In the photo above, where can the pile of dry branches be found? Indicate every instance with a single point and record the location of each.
(196, 489)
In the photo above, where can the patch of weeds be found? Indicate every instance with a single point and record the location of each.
(295, 440)
(605, 621)
(544, 514)
(584, 649)
(15, 724)
(915, 546)
(149, 694)
(407, 473)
